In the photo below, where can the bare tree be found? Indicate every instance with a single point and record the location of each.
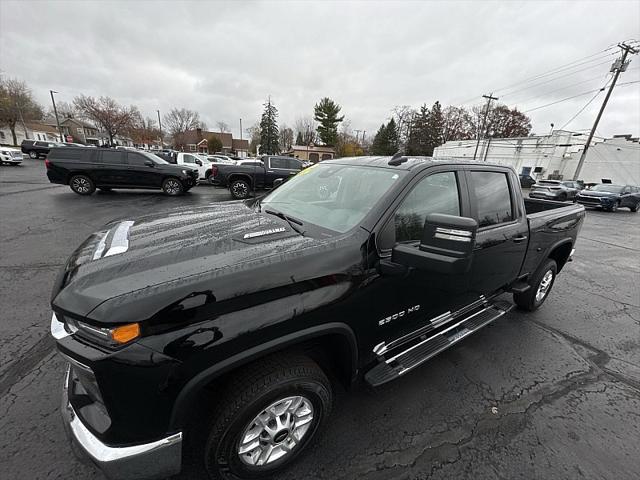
(222, 126)
(403, 116)
(105, 112)
(286, 138)
(179, 121)
(306, 127)
(65, 110)
(254, 135)
(16, 104)
(144, 130)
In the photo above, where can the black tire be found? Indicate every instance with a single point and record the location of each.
(251, 391)
(562, 197)
(635, 207)
(614, 207)
(82, 185)
(172, 186)
(528, 300)
(240, 189)
(33, 154)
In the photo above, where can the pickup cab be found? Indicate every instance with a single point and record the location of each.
(243, 179)
(219, 326)
(198, 162)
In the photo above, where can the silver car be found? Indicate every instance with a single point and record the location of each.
(561, 190)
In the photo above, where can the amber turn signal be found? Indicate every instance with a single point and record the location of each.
(125, 333)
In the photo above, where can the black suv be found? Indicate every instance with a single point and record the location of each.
(37, 148)
(85, 169)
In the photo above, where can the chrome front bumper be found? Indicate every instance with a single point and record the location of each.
(158, 459)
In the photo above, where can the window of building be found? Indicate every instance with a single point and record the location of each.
(327, 156)
(192, 148)
(314, 157)
(2, 136)
(437, 193)
(79, 130)
(493, 198)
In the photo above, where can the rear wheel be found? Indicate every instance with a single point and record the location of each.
(634, 208)
(614, 207)
(82, 185)
(541, 283)
(172, 186)
(239, 189)
(33, 154)
(266, 417)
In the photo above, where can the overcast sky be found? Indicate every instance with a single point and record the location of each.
(224, 58)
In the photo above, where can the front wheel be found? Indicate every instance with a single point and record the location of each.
(172, 187)
(33, 154)
(266, 417)
(541, 283)
(239, 189)
(635, 207)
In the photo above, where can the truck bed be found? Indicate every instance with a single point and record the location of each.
(550, 223)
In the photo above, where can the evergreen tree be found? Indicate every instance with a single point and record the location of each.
(393, 138)
(386, 139)
(326, 113)
(418, 134)
(299, 140)
(435, 129)
(269, 136)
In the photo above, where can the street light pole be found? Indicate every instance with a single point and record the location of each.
(55, 111)
(160, 127)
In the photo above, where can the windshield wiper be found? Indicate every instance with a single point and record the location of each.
(293, 222)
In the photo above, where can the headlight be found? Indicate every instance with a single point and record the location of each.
(108, 337)
(185, 172)
(4, 152)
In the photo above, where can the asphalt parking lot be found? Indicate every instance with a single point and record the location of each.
(554, 394)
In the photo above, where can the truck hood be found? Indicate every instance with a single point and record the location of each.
(137, 254)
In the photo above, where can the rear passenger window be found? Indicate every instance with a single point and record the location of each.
(112, 157)
(294, 164)
(493, 198)
(438, 193)
(278, 163)
(136, 159)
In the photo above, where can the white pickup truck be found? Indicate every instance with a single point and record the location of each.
(197, 161)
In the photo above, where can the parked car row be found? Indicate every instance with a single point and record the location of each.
(556, 190)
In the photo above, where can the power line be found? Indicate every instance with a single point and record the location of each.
(563, 100)
(557, 78)
(528, 99)
(585, 106)
(566, 66)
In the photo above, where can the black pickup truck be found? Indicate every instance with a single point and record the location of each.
(242, 179)
(214, 330)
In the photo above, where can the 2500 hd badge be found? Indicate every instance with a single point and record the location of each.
(186, 330)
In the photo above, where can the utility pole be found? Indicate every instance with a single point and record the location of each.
(240, 129)
(357, 135)
(364, 132)
(618, 66)
(484, 120)
(55, 111)
(160, 128)
(486, 152)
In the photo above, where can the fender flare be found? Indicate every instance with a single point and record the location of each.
(555, 246)
(188, 394)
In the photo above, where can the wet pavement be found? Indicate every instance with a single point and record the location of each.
(551, 394)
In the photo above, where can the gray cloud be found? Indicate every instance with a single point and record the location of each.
(224, 58)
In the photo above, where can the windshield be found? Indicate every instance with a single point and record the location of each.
(153, 158)
(603, 187)
(335, 197)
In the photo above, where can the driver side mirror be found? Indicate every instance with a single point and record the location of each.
(149, 163)
(199, 163)
(446, 246)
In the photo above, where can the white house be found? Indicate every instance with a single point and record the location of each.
(31, 131)
(556, 155)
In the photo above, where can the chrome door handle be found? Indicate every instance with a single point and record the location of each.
(519, 239)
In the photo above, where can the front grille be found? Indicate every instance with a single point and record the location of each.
(591, 200)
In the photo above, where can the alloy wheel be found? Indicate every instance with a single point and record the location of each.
(545, 285)
(172, 187)
(276, 431)
(240, 189)
(81, 185)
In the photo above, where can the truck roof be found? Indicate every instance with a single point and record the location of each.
(406, 162)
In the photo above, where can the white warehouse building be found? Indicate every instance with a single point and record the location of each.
(556, 156)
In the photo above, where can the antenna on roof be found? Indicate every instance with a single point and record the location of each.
(397, 159)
